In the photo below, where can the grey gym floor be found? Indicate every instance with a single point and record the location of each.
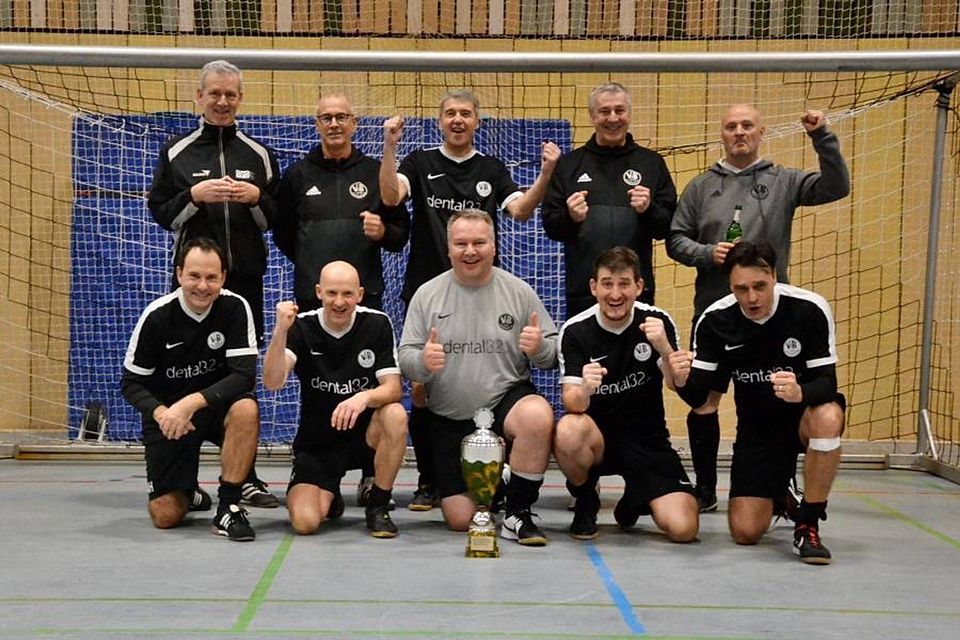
(80, 559)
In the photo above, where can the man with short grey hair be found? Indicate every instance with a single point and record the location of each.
(609, 192)
(217, 182)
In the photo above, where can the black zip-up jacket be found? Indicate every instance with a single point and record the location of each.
(214, 152)
(608, 173)
(319, 203)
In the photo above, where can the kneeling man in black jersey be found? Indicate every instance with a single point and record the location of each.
(611, 356)
(345, 358)
(190, 370)
(778, 345)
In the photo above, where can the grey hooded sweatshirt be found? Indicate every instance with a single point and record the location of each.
(768, 193)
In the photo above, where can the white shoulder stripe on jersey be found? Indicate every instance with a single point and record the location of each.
(185, 142)
(261, 151)
(291, 355)
(251, 329)
(135, 336)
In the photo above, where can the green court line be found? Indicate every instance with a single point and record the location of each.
(263, 586)
(953, 542)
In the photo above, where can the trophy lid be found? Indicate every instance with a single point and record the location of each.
(483, 418)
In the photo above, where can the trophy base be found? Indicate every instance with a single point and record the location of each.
(482, 536)
(482, 544)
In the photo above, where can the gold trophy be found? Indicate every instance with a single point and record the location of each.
(481, 458)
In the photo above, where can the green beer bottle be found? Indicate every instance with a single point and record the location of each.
(735, 231)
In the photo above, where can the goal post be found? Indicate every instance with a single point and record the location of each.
(79, 254)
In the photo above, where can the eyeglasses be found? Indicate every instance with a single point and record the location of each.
(327, 118)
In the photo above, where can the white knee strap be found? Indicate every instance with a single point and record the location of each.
(825, 444)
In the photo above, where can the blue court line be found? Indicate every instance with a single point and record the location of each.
(616, 593)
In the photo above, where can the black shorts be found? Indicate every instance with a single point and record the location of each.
(649, 469)
(325, 466)
(763, 466)
(172, 465)
(446, 435)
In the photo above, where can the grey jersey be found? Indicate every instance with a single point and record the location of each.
(479, 328)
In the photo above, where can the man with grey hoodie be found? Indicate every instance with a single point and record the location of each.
(766, 196)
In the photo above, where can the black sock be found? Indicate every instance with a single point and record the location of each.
(811, 513)
(586, 493)
(521, 493)
(228, 493)
(704, 433)
(379, 497)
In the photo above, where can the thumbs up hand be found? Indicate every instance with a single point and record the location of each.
(433, 357)
(531, 338)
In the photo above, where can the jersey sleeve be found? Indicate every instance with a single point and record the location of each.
(819, 382)
(706, 373)
(386, 355)
(409, 172)
(572, 356)
(139, 365)
(507, 189)
(241, 354)
(416, 331)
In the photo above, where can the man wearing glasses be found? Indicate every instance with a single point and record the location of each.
(329, 210)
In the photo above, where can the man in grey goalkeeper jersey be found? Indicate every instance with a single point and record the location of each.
(470, 336)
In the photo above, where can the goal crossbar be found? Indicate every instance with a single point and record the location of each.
(601, 62)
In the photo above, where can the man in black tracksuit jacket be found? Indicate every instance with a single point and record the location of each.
(217, 182)
(329, 209)
(609, 192)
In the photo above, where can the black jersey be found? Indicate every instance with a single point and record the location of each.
(174, 352)
(333, 366)
(630, 398)
(439, 186)
(799, 336)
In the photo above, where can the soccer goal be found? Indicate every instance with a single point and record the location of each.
(80, 256)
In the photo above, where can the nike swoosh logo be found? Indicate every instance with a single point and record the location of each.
(434, 176)
(731, 347)
(171, 345)
(316, 353)
(686, 483)
(597, 359)
(441, 316)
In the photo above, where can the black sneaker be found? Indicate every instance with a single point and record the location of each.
(424, 498)
(379, 522)
(255, 494)
(200, 500)
(520, 526)
(233, 524)
(706, 498)
(807, 545)
(337, 507)
(584, 525)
